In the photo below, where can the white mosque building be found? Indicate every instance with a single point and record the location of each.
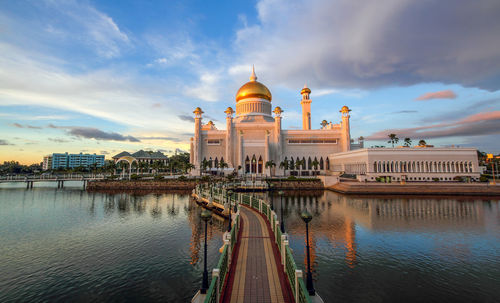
(254, 137)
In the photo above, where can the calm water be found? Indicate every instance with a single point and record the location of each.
(70, 245)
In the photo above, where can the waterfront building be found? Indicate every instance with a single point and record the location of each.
(65, 160)
(47, 162)
(254, 137)
(408, 164)
(143, 156)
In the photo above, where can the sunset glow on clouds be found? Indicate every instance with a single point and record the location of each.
(105, 77)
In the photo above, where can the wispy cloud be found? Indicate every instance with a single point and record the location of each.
(25, 126)
(485, 123)
(186, 118)
(4, 142)
(444, 94)
(94, 133)
(95, 29)
(58, 140)
(405, 112)
(174, 139)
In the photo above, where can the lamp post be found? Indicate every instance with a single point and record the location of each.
(307, 217)
(228, 198)
(281, 211)
(205, 216)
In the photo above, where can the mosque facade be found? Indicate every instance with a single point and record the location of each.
(254, 136)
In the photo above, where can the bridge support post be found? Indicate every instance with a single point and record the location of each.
(298, 274)
(227, 241)
(27, 184)
(284, 244)
(216, 275)
(260, 206)
(31, 184)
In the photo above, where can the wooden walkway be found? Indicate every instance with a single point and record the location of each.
(256, 273)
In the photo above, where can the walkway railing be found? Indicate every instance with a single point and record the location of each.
(294, 275)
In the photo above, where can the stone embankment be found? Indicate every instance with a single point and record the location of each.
(448, 189)
(141, 185)
(307, 184)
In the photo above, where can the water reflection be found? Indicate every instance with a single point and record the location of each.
(395, 234)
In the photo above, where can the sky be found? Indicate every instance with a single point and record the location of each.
(107, 76)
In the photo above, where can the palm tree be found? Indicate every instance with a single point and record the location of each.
(157, 165)
(223, 165)
(393, 139)
(189, 167)
(270, 164)
(142, 165)
(285, 165)
(298, 165)
(315, 165)
(422, 142)
(204, 165)
(407, 142)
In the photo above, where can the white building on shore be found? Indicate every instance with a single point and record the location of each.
(408, 164)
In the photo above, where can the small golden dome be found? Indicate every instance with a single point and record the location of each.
(345, 109)
(253, 89)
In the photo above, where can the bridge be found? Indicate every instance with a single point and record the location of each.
(31, 179)
(256, 263)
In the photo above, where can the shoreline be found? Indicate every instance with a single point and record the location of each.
(421, 189)
(349, 188)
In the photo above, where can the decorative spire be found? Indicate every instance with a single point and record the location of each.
(253, 77)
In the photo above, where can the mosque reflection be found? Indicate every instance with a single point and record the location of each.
(337, 216)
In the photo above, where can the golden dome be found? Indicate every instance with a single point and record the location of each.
(253, 89)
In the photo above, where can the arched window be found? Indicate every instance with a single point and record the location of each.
(260, 165)
(247, 165)
(309, 163)
(304, 163)
(321, 164)
(254, 164)
(375, 167)
(216, 163)
(327, 163)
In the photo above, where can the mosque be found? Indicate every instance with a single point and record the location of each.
(254, 136)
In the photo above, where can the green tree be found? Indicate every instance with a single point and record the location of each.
(422, 142)
(270, 164)
(407, 142)
(315, 165)
(393, 139)
(298, 165)
(285, 165)
(204, 165)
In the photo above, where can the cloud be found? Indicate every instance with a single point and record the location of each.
(58, 140)
(186, 118)
(3, 142)
(365, 44)
(485, 123)
(174, 139)
(25, 126)
(95, 29)
(94, 133)
(103, 152)
(444, 94)
(405, 112)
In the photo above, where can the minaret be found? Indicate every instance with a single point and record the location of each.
(197, 138)
(306, 108)
(229, 136)
(345, 129)
(277, 132)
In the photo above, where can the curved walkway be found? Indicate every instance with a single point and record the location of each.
(256, 273)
